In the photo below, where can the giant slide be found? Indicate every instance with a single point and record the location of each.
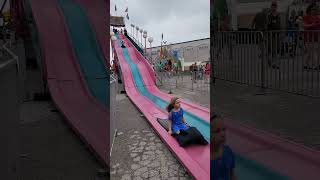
(73, 57)
(139, 82)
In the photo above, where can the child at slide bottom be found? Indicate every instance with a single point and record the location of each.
(222, 161)
(176, 120)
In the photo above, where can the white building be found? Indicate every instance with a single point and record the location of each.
(191, 51)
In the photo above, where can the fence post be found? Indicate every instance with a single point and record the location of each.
(192, 80)
(177, 81)
(263, 59)
(170, 92)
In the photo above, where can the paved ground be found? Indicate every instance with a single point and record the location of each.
(49, 149)
(290, 116)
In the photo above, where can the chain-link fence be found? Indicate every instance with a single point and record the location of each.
(282, 60)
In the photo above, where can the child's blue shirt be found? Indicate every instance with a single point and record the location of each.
(177, 122)
(220, 168)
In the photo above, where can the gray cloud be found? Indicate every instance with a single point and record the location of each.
(178, 20)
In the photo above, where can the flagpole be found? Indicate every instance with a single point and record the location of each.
(161, 50)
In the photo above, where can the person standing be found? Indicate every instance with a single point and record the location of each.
(274, 18)
(259, 22)
(312, 24)
(125, 32)
(273, 24)
(207, 72)
(292, 34)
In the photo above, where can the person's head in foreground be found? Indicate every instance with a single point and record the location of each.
(174, 104)
(222, 162)
(218, 135)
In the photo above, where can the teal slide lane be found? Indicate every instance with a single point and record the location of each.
(248, 169)
(87, 50)
(202, 125)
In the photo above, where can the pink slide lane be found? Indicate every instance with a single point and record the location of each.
(97, 11)
(290, 159)
(194, 158)
(87, 117)
(147, 74)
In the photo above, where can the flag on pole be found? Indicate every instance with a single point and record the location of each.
(162, 36)
(126, 10)
(127, 16)
(115, 7)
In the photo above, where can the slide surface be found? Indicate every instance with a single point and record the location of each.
(269, 156)
(76, 91)
(140, 87)
(87, 50)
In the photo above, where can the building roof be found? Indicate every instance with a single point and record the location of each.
(182, 42)
(117, 21)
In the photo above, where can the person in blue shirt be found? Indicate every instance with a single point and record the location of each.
(222, 163)
(177, 122)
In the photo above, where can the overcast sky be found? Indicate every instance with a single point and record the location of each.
(178, 20)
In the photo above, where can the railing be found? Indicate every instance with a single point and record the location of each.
(136, 43)
(194, 81)
(282, 60)
(113, 106)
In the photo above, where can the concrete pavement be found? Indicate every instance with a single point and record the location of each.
(293, 117)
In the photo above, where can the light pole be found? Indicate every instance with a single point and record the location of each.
(141, 31)
(150, 39)
(164, 48)
(137, 28)
(145, 42)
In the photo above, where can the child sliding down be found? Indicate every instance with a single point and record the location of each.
(176, 120)
(178, 127)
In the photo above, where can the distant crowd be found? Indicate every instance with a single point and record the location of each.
(269, 19)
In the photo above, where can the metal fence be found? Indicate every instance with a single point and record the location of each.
(113, 112)
(194, 81)
(282, 60)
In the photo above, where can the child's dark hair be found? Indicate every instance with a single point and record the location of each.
(215, 117)
(171, 104)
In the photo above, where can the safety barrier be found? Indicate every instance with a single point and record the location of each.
(194, 81)
(281, 60)
(136, 43)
